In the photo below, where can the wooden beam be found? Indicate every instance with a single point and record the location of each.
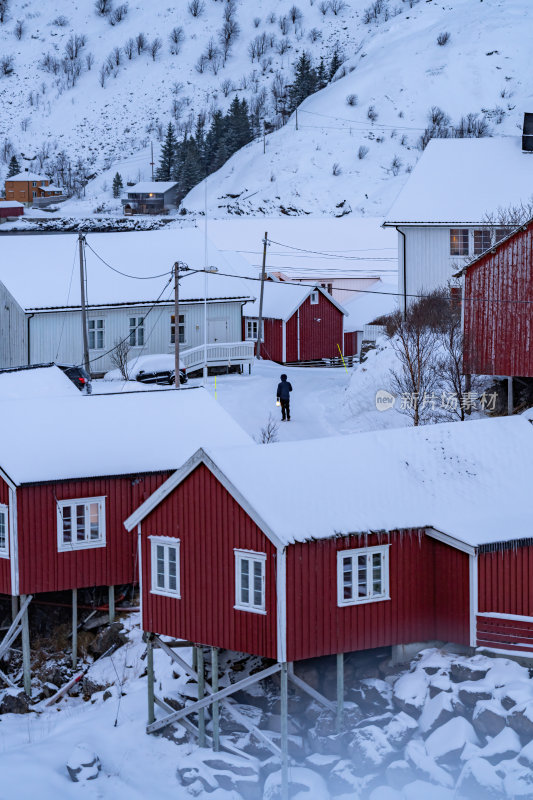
(215, 710)
(310, 691)
(74, 628)
(111, 604)
(284, 734)
(150, 675)
(340, 691)
(201, 695)
(14, 629)
(26, 653)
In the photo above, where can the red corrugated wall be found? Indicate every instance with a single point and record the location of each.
(317, 339)
(5, 564)
(498, 336)
(350, 344)
(428, 589)
(43, 569)
(209, 524)
(272, 346)
(505, 581)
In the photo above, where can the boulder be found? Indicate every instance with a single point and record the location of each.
(370, 749)
(334, 745)
(440, 683)
(470, 692)
(526, 755)
(469, 669)
(320, 763)
(194, 777)
(504, 746)
(108, 637)
(373, 696)
(344, 779)
(520, 720)
(400, 729)
(516, 693)
(489, 718)
(301, 780)
(234, 776)
(446, 743)
(399, 773)
(83, 764)
(410, 693)
(423, 789)
(14, 701)
(436, 712)
(385, 793)
(417, 755)
(518, 784)
(480, 779)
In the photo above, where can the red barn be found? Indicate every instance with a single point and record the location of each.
(498, 308)
(302, 549)
(300, 323)
(11, 208)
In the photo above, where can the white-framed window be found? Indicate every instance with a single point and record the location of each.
(4, 531)
(96, 329)
(34, 194)
(80, 523)
(250, 581)
(459, 241)
(165, 562)
(501, 233)
(136, 331)
(34, 183)
(362, 575)
(313, 298)
(181, 327)
(252, 327)
(482, 240)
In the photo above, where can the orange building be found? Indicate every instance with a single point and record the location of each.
(26, 186)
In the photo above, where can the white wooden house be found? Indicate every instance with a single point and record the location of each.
(441, 213)
(40, 307)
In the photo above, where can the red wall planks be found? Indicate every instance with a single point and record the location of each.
(505, 634)
(505, 584)
(350, 344)
(498, 316)
(5, 564)
(423, 605)
(209, 524)
(272, 346)
(43, 569)
(321, 329)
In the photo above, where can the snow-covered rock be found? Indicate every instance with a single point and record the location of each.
(480, 779)
(385, 793)
(521, 719)
(14, 701)
(518, 784)
(83, 764)
(489, 717)
(410, 692)
(399, 773)
(470, 692)
(504, 746)
(417, 755)
(304, 784)
(436, 712)
(370, 748)
(422, 790)
(400, 729)
(514, 693)
(447, 742)
(469, 669)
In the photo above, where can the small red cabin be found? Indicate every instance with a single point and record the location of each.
(498, 308)
(11, 208)
(302, 549)
(300, 323)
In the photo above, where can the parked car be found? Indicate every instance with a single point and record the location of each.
(164, 377)
(78, 375)
(155, 369)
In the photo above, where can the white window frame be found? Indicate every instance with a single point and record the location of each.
(94, 331)
(313, 297)
(461, 241)
(167, 542)
(87, 543)
(180, 325)
(136, 332)
(4, 548)
(483, 232)
(253, 557)
(353, 554)
(252, 324)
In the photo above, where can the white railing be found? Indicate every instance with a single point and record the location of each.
(371, 332)
(218, 353)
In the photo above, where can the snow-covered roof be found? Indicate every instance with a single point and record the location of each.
(459, 181)
(27, 176)
(468, 480)
(41, 272)
(52, 187)
(27, 382)
(110, 434)
(281, 300)
(379, 299)
(10, 203)
(156, 187)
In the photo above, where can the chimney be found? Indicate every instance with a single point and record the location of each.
(527, 134)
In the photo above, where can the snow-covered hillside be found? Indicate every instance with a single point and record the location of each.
(394, 66)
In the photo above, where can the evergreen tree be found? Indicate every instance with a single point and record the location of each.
(305, 80)
(168, 155)
(14, 167)
(335, 63)
(321, 76)
(117, 184)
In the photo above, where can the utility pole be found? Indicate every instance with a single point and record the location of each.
(81, 242)
(260, 320)
(152, 161)
(296, 109)
(177, 383)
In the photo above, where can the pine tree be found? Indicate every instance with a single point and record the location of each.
(14, 167)
(117, 184)
(168, 155)
(305, 80)
(321, 76)
(335, 63)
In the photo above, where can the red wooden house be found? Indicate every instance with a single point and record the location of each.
(300, 323)
(498, 308)
(302, 549)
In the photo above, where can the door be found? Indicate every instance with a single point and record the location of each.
(217, 330)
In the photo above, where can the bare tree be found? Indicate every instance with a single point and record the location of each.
(103, 74)
(89, 61)
(19, 29)
(295, 14)
(118, 14)
(450, 366)
(129, 48)
(119, 357)
(505, 219)
(228, 35)
(103, 7)
(4, 6)
(323, 7)
(7, 66)
(176, 37)
(196, 8)
(141, 43)
(269, 432)
(155, 47)
(337, 6)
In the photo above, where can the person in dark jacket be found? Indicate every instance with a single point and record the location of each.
(283, 395)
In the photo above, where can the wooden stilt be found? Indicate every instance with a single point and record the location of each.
(195, 658)
(150, 671)
(201, 695)
(74, 628)
(340, 690)
(510, 398)
(284, 734)
(111, 604)
(216, 711)
(14, 606)
(26, 656)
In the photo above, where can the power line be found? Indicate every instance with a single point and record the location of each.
(125, 274)
(326, 254)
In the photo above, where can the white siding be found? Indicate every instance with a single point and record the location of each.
(343, 289)
(57, 336)
(13, 352)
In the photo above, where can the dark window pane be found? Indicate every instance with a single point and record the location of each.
(93, 521)
(80, 523)
(160, 566)
(258, 584)
(67, 525)
(245, 581)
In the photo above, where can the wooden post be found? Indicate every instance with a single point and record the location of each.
(26, 657)
(216, 713)
(340, 690)
(195, 659)
(201, 694)
(150, 671)
(261, 296)
(74, 628)
(14, 606)
(510, 398)
(284, 734)
(111, 604)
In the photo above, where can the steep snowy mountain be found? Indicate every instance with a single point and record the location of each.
(356, 139)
